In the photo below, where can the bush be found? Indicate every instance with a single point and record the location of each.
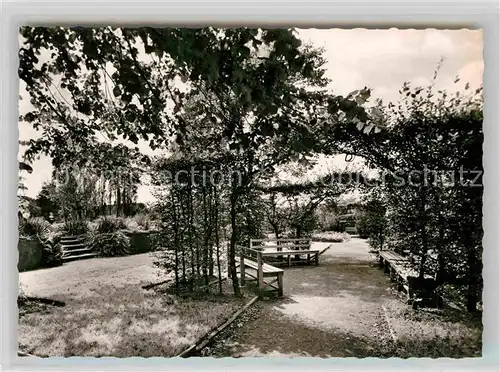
(331, 237)
(108, 225)
(372, 223)
(76, 227)
(36, 226)
(143, 220)
(51, 251)
(110, 244)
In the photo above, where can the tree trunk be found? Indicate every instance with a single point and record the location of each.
(217, 241)
(206, 229)
(194, 255)
(276, 232)
(176, 244)
(232, 245)
(118, 201)
(423, 234)
(472, 288)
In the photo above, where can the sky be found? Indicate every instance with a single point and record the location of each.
(379, 59)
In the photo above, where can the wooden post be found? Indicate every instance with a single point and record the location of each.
(242, 268)
(410, 292)
(260, 272)
(289, 260)
(280, 284)
(317, 258)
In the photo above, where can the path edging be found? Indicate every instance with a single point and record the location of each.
(205, 340)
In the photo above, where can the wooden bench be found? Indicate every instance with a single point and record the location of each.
(290, 247)
(312, 255)
(251, 264)
(402, 271)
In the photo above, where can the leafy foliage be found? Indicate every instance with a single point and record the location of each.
(51, 251)
(36, 226)
(110, 244)
(372, 223)
(431, 150)
(143, 220)
(110, 225)
(76, 227)
(47, 202)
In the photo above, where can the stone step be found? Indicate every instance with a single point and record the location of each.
(76, 252)
(79, 257)
(69, 247)
(71, 241)
(73, 238)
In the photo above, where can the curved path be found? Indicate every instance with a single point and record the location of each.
(333, 310)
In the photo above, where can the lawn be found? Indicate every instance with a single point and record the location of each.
(107, 313)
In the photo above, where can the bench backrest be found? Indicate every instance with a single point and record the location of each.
(294, 243)
(247, 252)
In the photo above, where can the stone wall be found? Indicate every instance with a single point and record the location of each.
(140, 241)
(30, 254)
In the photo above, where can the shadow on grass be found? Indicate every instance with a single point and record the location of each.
(123, 322)
(28, 305)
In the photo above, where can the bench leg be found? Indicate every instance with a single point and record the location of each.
(317, 259)
(386, 267)
(280, 284)
(289, 260)
(410, 293)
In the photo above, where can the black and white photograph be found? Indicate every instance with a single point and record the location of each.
(250, 192)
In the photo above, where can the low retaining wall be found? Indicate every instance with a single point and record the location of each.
(30, 254)
(140, 241)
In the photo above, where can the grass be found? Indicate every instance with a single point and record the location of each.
(123, 323)
(435, 333)
(107, 313)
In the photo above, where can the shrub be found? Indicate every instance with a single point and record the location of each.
(372, 223)
(36, 226)
(51, 251)
(143, 220)
(76, 227)
(107, 225)
(110, 244)
(331, 237)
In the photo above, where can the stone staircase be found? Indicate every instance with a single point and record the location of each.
(74, 248)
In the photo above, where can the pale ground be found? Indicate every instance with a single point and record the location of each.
(107, 313)
(337, 310)
(333, 310)
(78, 279)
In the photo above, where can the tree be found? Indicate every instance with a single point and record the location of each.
(422, 148)
(372, 222)
(260, 90)
(301, 200)
(46, 201)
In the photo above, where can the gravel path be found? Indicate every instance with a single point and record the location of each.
(334, 310)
